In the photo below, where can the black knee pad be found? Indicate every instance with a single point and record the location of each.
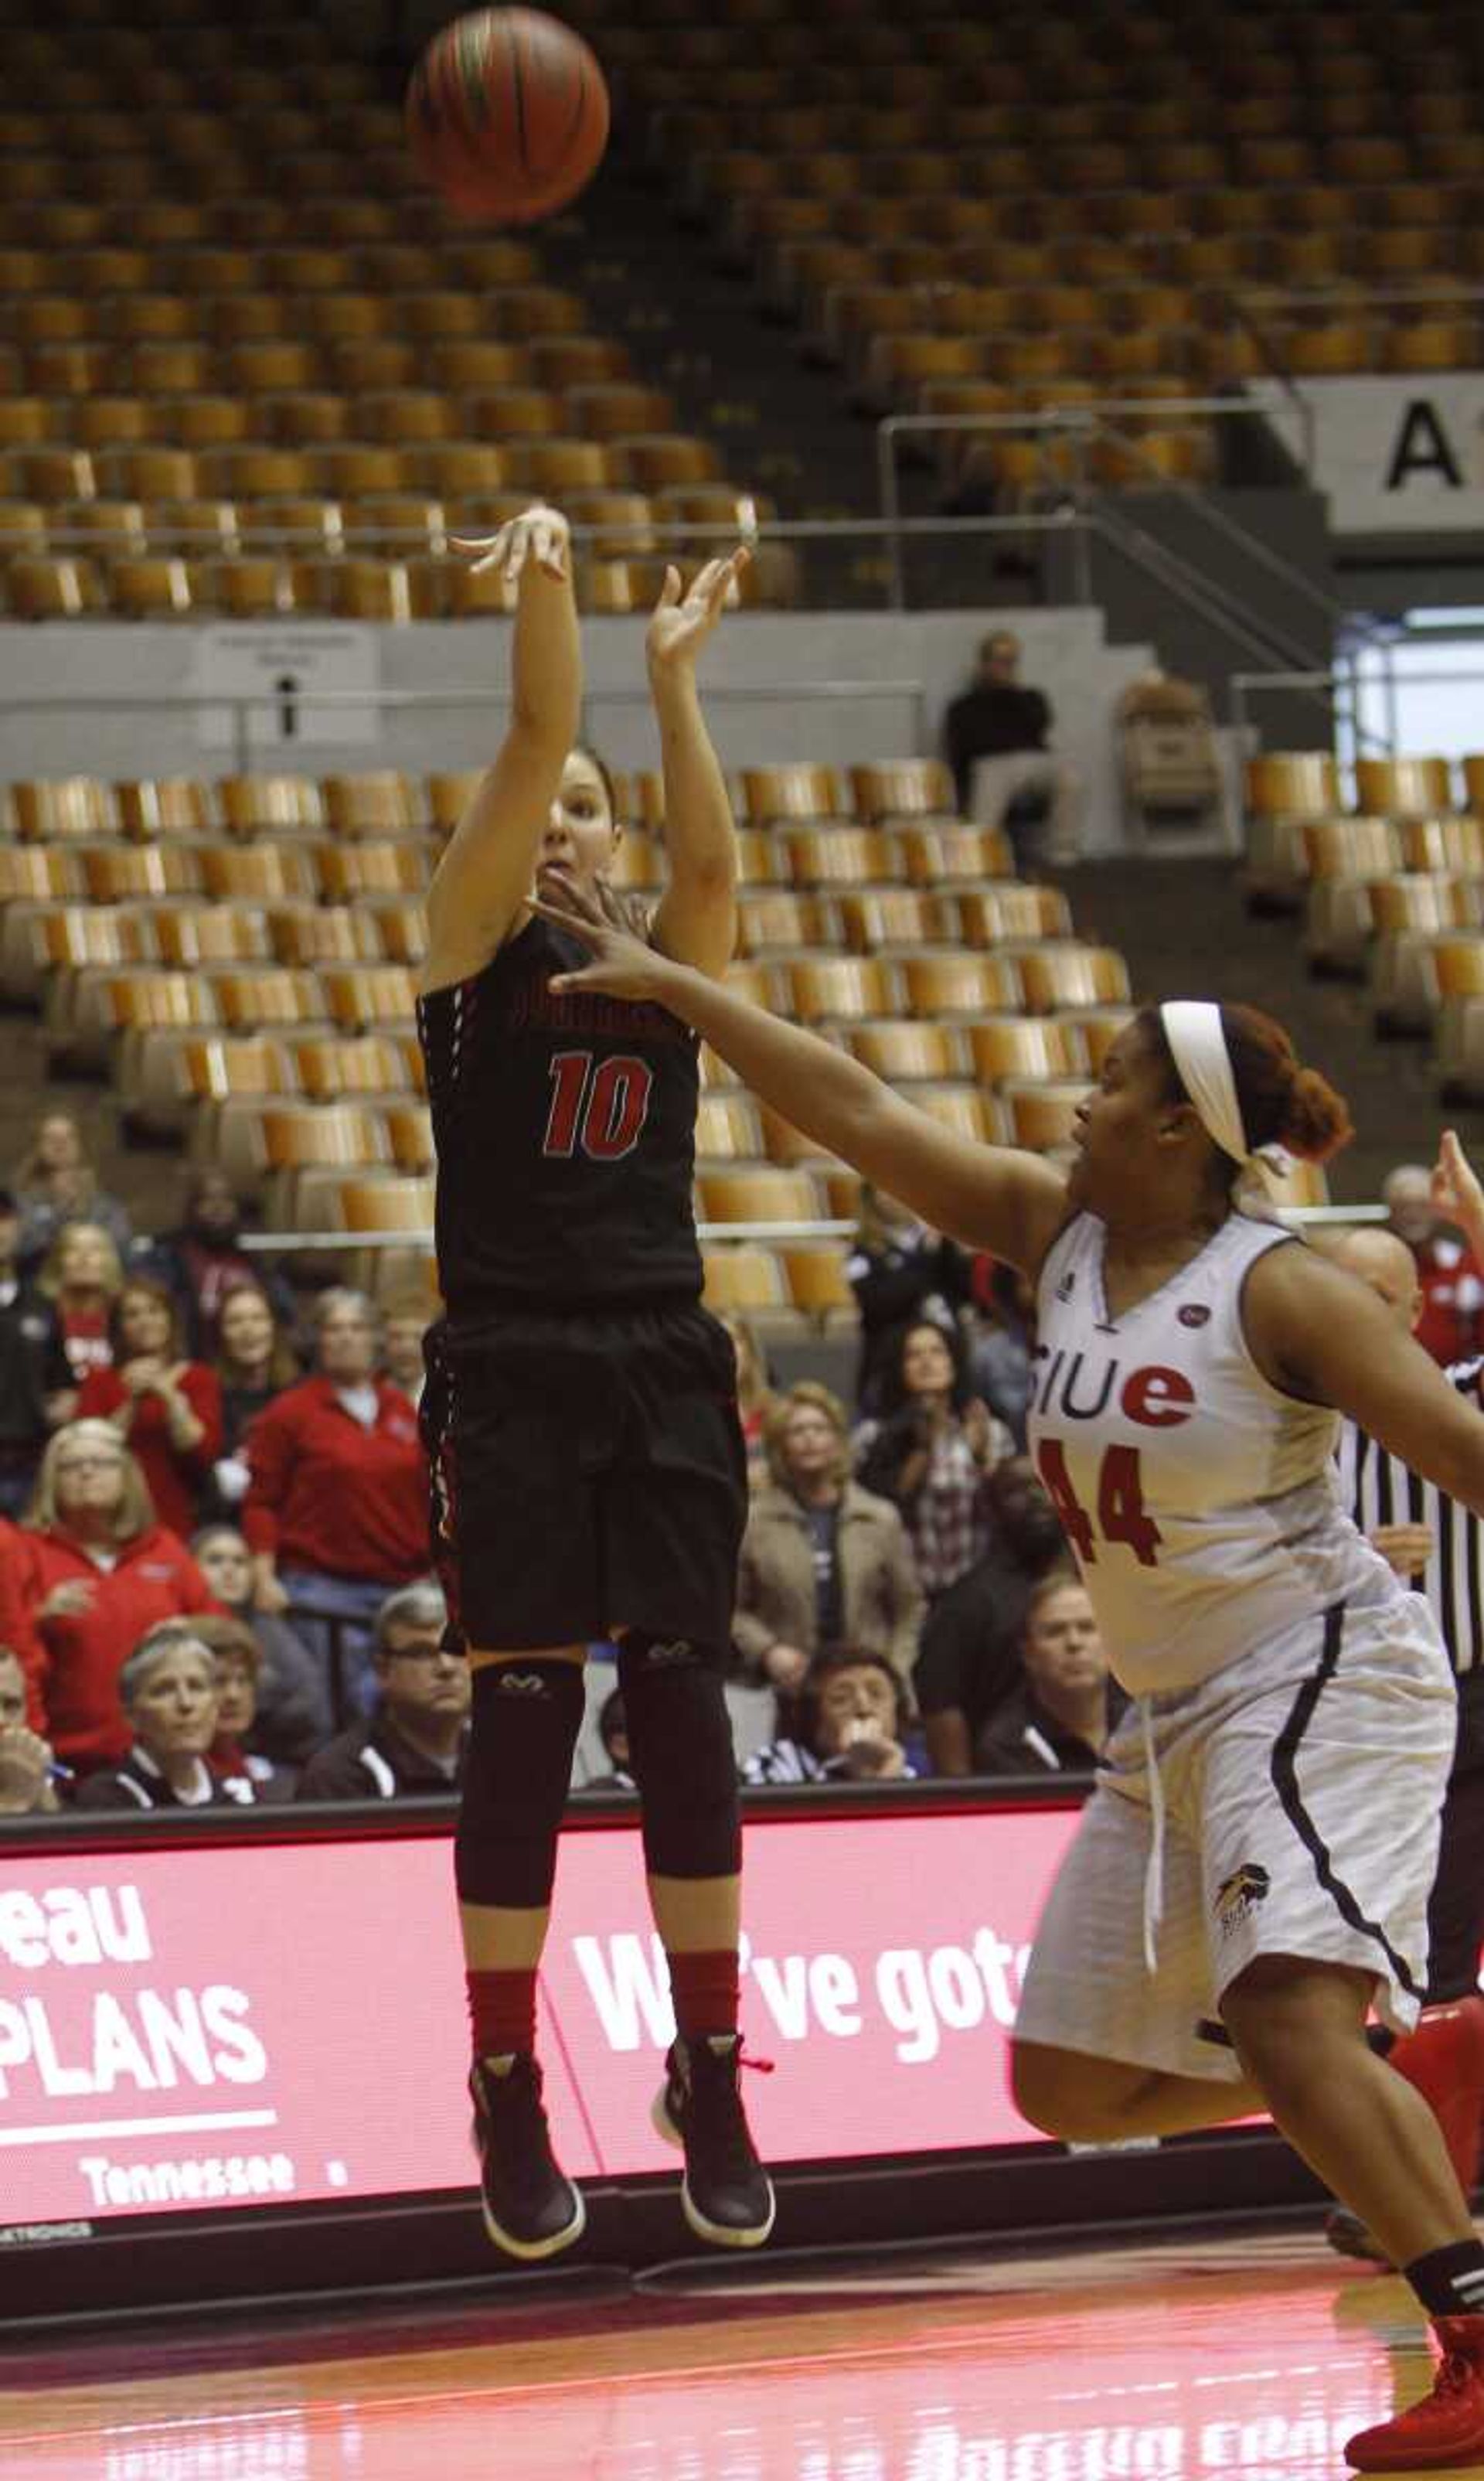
(527, 1717)
(680, 1749)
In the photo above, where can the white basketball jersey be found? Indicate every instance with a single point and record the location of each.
(1199, 1500)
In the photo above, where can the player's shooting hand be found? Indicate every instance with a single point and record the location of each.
(540, 535)
(1456, 1193)
(622, 965)
(682, 621)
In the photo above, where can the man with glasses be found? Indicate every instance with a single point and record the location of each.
(412, 1744)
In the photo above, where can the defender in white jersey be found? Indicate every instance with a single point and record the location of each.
(1284, 1677)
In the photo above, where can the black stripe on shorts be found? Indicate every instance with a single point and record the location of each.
(1284, 1773)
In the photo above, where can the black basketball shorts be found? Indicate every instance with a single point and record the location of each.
(589, 1473)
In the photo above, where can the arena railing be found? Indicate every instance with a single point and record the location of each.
(1343, 684)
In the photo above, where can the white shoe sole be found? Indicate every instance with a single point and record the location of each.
(720, 2234)
(532, 2251)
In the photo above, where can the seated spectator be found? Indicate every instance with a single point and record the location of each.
(1002, 1344)
(255, 1362)
(404, 1321)
(996, 738)
(97, 1572)
(234, 1752)
(1057, 1719)
(851, 1712)
(29, 1774)
(336, 1509)
(293, 1705)
(414, 1739)
(82, 1277)
(202, 1260)
(168, 1690)
(36, 1388)
(55, 1184)
(1452, 1321)
(932, 1453)
(971, 1641)
(897, 1270)
(169, 1409)
(754, 1390)
(822, 1561)
(613, 1733)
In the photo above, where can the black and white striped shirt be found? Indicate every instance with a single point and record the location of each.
(1376, 1488)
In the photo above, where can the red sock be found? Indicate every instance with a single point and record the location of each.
(502, 2012)
(704, 1992)
(1444, 2058)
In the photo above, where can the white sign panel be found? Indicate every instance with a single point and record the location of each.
(1401, 456)
(271, 681)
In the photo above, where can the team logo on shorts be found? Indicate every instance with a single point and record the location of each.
(1194, 1313)
(1240, 1895)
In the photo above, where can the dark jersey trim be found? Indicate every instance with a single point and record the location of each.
(1284, 1774)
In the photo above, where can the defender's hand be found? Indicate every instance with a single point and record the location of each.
(622, 965)
(1456, 1191)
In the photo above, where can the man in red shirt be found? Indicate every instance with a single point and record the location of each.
(1449, 1274)
(336, 1510)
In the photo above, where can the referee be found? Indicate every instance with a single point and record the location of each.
(1437, 1546)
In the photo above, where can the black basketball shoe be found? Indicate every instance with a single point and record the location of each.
(727, 2194)
(532, 2209)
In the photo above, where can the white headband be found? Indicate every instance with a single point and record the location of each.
(1192, 1028)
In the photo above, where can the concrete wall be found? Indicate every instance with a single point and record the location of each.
(834, 687)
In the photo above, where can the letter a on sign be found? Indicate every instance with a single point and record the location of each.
(1423, 448)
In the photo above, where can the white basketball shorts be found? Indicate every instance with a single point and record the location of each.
(1303, 1787)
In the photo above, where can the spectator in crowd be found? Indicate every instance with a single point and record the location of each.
(1451, 1327)
(414, 1739)
(82, 1276)
(293, 1701)
(852, 1713)
(28, 1771)
(55, 1184)
(169, 1409)
(168, 1692)
(404, 1321)
(613, 1733)
(822, 1560)
(255, 1362)
(234, 1751)
(996, 738)
(1001, 1345)
(897, 1270)
(754, 1390)
(933, 1454)
(96, 1571)
(969, 1642)
(1057, 1719)
(202, 1260)
(36, 1388)
(336, 1510)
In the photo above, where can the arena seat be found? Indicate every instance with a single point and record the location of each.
(779, 919)
(954, 856)
(764, 1194)
(122, 874)
(1064, 974)
(1454, 844)
(371, 866)
(166, 805)
(1041, 1115)
(902, 789)
(728, 1128)
(842, 857)
(903, 1051)
(952, 985)
(745, 1280)
(1404, 788)
(991, 917)
(898, 918)
(364, 1064)
(826, 989)
(47, 809)
(370, 997)
(1006, 1048)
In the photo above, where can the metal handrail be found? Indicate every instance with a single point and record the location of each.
(1333, 679)
(829, 1228)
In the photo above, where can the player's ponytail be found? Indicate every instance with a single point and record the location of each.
(1282, 1102)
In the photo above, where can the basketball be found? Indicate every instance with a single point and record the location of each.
(508, 115)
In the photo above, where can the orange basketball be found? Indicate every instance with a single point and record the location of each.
(508, 115)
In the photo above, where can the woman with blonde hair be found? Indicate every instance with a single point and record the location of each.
(823, 1560)
(82, 1276)
(55, 1184)
(96, 1570)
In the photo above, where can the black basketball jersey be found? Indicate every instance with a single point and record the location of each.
(564, 1124)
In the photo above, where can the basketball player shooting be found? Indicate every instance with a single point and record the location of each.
(1251, 1876)
(589, 1476)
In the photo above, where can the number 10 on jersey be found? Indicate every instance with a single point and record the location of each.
(597, 1109)
(1121, 1517)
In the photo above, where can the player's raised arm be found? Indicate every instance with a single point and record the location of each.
(696, 919)
(990, 1197)
(480, 888)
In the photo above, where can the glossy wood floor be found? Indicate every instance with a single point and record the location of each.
(1249, 2358)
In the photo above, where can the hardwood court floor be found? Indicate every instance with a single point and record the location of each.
(1250, 2357)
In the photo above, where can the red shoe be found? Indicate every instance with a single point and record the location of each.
(1444, 2059)
(1447, 2426)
